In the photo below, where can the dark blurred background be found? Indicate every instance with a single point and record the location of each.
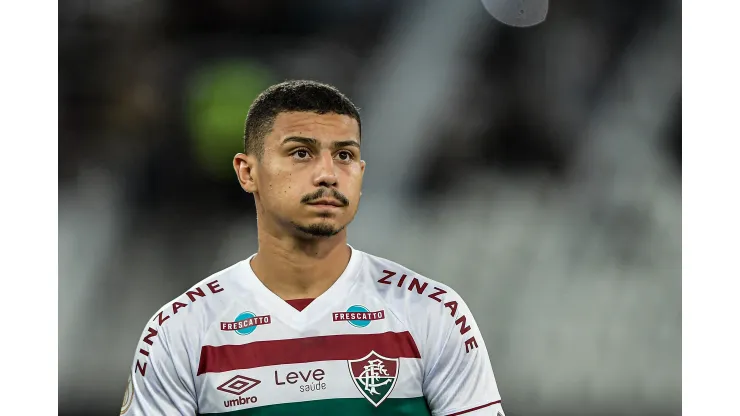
(537, 171)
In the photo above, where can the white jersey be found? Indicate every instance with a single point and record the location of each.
(381, 341)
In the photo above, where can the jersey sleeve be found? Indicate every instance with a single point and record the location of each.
(159, 384)
(459, 378)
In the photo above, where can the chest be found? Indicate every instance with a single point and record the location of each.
(353, 360)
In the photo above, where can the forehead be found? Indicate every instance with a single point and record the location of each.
(328, 126)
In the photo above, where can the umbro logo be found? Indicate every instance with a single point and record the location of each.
(238, 385)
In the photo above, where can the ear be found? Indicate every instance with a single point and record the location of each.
(245, 168)
(362, 172)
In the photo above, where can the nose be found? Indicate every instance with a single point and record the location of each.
(325, 175)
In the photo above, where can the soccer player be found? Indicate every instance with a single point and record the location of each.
(308, 324)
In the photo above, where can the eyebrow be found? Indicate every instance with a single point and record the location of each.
(308, 141)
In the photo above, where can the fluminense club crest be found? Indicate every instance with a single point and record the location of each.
(375, 376)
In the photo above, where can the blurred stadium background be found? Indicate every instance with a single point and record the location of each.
(537, 171)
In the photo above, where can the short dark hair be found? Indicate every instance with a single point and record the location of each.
(296, 95)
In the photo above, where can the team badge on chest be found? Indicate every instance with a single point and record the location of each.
(375, 376)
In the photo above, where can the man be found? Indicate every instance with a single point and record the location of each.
(308, 324)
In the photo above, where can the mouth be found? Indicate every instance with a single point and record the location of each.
(326, 203)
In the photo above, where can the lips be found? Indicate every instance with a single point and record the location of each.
(327, 202)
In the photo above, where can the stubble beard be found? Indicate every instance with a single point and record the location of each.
(318, 230)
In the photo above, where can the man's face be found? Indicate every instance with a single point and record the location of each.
(310, 175)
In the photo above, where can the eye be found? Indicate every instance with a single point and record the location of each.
(300, 154)
(345, 156)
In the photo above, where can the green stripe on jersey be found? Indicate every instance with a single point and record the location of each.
(416, 406)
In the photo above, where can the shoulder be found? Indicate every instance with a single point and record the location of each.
(406, 290)
(435, 311)
(397, 282)
(167, 329)
(201, 299)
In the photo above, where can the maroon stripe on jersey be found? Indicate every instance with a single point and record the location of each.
(475, 408)
(217, 359)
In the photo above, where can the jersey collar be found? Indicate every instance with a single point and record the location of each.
(318, 309)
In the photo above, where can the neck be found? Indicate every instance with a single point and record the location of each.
(295, 269)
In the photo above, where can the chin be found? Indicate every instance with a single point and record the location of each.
(319, 229)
